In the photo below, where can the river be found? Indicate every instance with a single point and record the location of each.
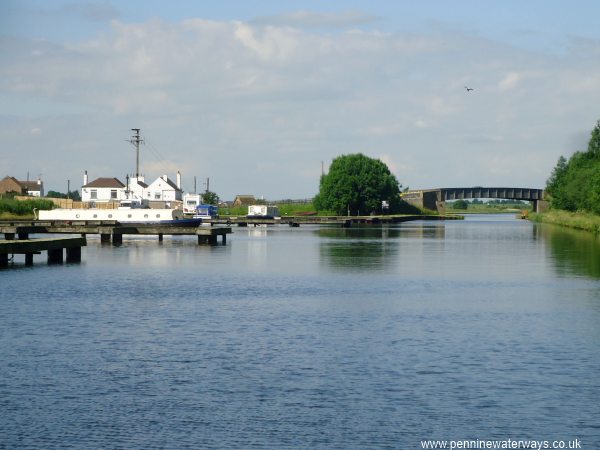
(308, 338)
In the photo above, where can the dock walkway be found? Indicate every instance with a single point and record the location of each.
(342, 221)
(54, 247)
(110, 230)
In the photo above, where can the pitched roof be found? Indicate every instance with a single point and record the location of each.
(31, 185)
(8, 177)
(105, 183)
(168, 181)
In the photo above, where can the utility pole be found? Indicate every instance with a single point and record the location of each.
(207, 184)
(194, 184)
(137, 140)
(68, 188)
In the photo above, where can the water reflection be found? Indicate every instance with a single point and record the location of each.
(369, 248)
(573, 252)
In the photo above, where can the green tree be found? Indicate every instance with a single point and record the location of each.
(557, 176)
(594, 144)
(358, 184)
(74, 195)
(575, 184)
(210, 198)
(460, 204)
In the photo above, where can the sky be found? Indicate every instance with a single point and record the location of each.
(259, 97)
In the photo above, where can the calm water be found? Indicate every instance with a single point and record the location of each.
(319, 338)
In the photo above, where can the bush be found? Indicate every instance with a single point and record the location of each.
(23, 207)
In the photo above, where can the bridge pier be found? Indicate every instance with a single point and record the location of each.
(539, 206)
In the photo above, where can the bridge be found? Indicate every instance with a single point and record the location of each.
(434, 199)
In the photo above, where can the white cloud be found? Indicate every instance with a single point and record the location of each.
(234, 101)
(310, 19)
(509, 81)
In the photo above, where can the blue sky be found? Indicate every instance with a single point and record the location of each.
(256, 94)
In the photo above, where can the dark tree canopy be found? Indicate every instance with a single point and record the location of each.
(358, 184)
(210, 198)
(575, 184)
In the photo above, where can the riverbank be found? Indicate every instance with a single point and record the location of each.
(578, 220)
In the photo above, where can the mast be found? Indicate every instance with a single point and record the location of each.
(137, 140)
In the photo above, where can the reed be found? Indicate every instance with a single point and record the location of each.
(19, 208)
(579, 220)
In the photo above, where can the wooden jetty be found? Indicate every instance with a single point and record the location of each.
(342, 221)
(54, 247)
(110, 230)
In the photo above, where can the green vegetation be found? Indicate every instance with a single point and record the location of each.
(357, 185)
(210, 198)
(574, 184)
(285, 209)
(491, 206)
(10, 208)
(578, 220)
(73, 195)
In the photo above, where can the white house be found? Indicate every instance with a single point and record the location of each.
(34, 188)
(102, 190)
(136, 188)
(164, 189)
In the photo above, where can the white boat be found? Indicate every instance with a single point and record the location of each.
(173, 217)
(262, 212)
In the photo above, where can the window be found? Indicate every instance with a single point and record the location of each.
(113, 193)
(157, 196)
(93, 194)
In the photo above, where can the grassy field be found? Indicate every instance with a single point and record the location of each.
(285, 209)
(577, 220)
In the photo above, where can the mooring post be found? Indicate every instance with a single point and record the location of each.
(55, 256)
(23, 235)
(9, 236)
(160, 237)
(117, 238)
(29, 259)
(104, 237)
(224, 241)
(3, 259)
(74, 254)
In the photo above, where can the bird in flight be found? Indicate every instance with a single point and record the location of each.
(468, 88)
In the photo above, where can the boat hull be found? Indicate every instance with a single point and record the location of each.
(171, 217)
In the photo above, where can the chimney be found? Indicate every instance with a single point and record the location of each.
(39, 181)
(178, 180)
(165, 177)
(85, 178)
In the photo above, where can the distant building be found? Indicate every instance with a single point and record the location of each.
(102, 190)
(244, 200)
(31, 188)
(136, 188)
(164, 189)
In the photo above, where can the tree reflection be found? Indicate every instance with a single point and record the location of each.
(358, 248)
(574, 252)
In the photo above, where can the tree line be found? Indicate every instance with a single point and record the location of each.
(574, 184)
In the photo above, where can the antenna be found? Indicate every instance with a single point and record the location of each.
(137, 140)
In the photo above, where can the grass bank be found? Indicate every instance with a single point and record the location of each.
(22, 209)
(578, 220)
(485, 209)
